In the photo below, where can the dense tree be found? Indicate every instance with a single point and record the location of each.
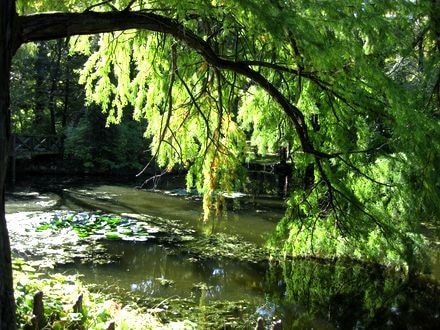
(118, 149)
(351, 87)
(37, 94)
(49, 101)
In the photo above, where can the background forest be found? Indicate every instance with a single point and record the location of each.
(48, 100)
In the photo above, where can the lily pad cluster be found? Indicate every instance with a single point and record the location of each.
(48, 247)
(101, 226)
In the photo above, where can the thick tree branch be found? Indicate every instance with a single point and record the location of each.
(59, 25)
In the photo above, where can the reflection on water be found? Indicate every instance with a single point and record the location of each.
(152, 270)
(351, 296)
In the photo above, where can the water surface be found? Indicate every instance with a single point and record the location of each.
(169, 278)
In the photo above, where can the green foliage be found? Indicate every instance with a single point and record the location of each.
(44, 96)
(21, 89)
(52, 85)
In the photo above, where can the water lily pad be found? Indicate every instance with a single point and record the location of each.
(112, 235)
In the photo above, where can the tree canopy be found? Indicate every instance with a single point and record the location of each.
(350, 88)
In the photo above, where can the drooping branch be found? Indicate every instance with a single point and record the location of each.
(170, 107)
(60, 25)
(332, 191)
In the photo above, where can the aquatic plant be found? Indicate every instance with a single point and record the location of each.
(111, 227)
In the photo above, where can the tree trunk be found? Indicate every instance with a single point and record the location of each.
(7, 47)
(65, 108)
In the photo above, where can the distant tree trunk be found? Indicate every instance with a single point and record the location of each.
(435, 21)
(40, 93)
(7, 48)
(66, 100)
(53, 85)
(309, 175)
(284, 172)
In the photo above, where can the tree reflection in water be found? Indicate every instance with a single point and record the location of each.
(315, 295)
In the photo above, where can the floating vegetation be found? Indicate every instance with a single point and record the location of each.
(49, 247)
(223, 245)
(98, 226)
(165, 282)
(64, 237)
(206, 314)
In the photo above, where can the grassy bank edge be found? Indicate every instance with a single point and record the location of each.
(60, 295)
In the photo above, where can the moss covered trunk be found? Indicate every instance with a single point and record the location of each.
(7, 304)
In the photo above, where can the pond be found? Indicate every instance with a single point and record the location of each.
(215, 273)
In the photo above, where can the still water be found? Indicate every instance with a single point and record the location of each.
(175, 281)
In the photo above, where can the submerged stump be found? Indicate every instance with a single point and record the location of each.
(38, 311)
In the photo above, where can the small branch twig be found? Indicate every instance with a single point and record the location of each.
(107, 2)
(154, 178)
